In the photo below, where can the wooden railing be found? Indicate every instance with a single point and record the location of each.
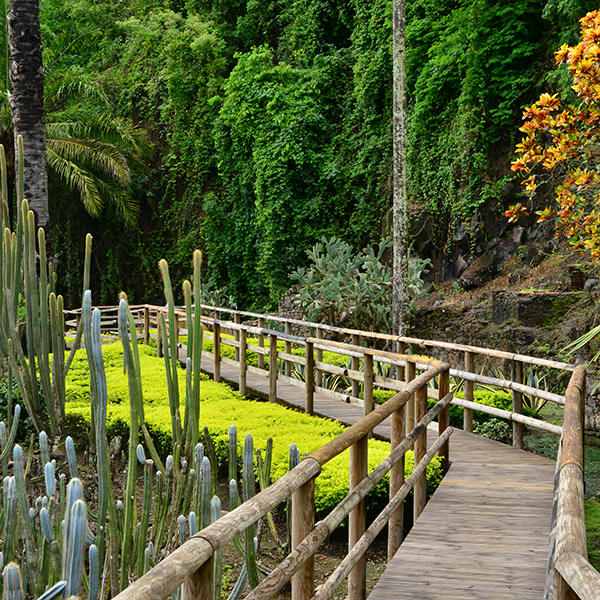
(570, 575)
(191, 565)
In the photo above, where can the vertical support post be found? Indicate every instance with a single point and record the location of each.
(242, 382)
(146, 326)
(159, 345)
(468, 413)
(200, 586)
(396, 522)
(236, 336)
(517, 404)
(368, 383)
(272, 368)
(444, 419)
(420, 489)
(410, 405)
(400, 371)
(261, 343)
(355, 366)
(309, 377)
(303, 521)
(288, 350)
(357, 519)
(217, 351)
(319, 358)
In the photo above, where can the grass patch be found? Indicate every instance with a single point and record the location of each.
(592, 524)
(221, 407)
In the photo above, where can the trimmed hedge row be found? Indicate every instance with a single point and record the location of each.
(220, 407)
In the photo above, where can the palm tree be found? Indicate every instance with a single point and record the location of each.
(27, 101)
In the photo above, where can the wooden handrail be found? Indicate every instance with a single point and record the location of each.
(570, 571)
(187, 561)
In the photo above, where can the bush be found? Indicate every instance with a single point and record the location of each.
(220, 407)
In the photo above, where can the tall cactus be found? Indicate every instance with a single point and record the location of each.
(249, 491)
(75, 543)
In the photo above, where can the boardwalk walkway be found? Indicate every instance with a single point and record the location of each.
(484, 533)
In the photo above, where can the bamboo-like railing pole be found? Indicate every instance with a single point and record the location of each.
(288, 349)
(444, 420)
(368, 383)
(303, 521)
(355, 366)
(396, 523)
(420, 492)
(261, 342)
(146, 325)
(309, 354)
(236, 336)
(242, 361)
(410, 405)
(357, 520)
(319, 359)
(517, 399)
(273, 368)
(468, 413)
(217, 351)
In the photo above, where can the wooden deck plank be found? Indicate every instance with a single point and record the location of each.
(484, 533)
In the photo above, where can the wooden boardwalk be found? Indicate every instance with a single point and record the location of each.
(484, 533)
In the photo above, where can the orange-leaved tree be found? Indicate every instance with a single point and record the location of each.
(563, 144)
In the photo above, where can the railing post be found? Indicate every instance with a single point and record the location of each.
(288, 350)
(517, 404)
(217, 351)
(309, 377)
(236, 336)
(467, 412)
(400, 371)
(146, 325)
(303, 521)
(242, 382)
(200, 586)
(272, 368)
(261, 343)
(159, 345)
(319, 358)
(355, 367)
(368, 383)
(396, 522)
(444, 419)
(410, 405)
(358, 518)
(420, 489)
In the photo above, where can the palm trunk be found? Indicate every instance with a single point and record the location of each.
(400, 233)
(27, 101)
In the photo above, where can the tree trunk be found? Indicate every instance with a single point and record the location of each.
(27, 102)
(400, 233)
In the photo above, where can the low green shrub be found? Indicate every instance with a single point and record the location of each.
(495, 429)
(219, 408)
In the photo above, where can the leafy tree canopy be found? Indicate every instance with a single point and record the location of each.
(561, 144)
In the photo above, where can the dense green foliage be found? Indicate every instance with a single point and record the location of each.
(220, 407)
(271, 125)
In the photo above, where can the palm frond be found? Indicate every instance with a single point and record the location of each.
(94, 154)
(77, 178)
(77, 85)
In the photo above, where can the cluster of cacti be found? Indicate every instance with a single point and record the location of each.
(27, 280)
(63, 549)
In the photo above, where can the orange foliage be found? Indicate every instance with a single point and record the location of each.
(565, 141)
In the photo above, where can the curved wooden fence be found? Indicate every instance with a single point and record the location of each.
(191, 565)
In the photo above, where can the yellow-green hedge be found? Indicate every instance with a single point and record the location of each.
(221, 407)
